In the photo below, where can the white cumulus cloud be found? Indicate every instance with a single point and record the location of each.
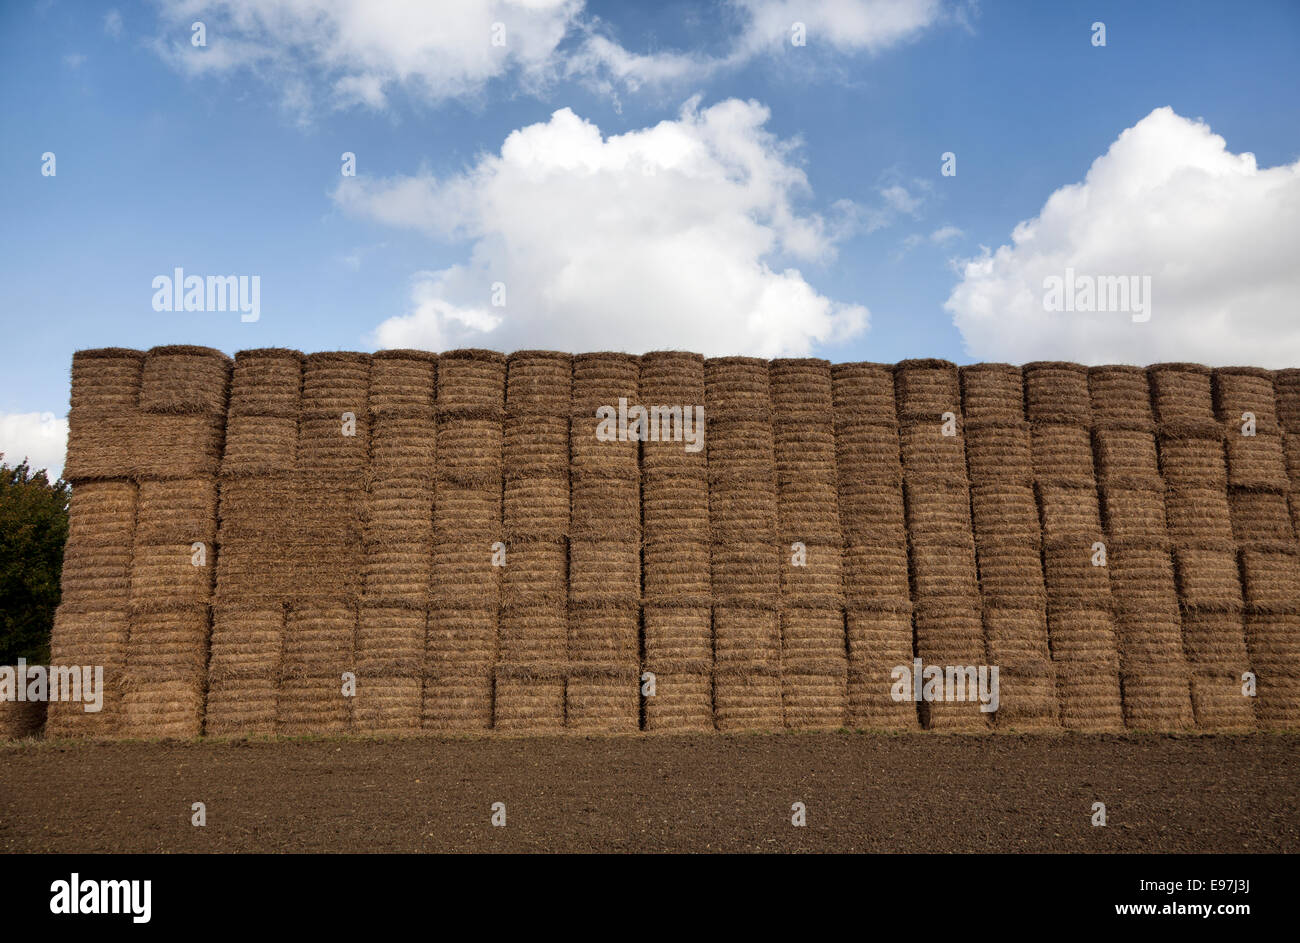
(356, 52)
(1218, 236)
(41, 438)
(684, 234)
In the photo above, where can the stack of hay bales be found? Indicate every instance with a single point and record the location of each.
(92, 624)
(398, 542)
(1259, 487)
(255, 577)
(144, 443)
(945, 583)
(814, 662)
(326, 552)
(530, 678)
(604, 645)
(676, 584)
(744, 556)
(877, 594)
(1008, 544)
(460, 651)
(1081, 624)
(1200, 530)
(1154, 675)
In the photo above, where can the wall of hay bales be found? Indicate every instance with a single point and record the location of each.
(449, 531)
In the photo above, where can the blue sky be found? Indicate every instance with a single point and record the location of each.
(818, 191)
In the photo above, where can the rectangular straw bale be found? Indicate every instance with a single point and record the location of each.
(1260, 517)
(864, 391)
(463, 573)
(1062, 452)
(318, 639)
(1193, 462)
(673, 504)
(878, 642)
(162, 709)
(528, 701)
(678, 638)
(402, 380)
(1216, 660)
(389, 639)
(876, 572)
(257, 445)
(106, 380)
(1135, 512)
(1256, 462)
(1181, 392)
(183, 379)
(683, 703)
(170, 573)
(1069, 512)
(1005, 511)
(403, 443)
(926, 389)
(1121, 398)
(247, 639)
(817, 579)
(460, 642)
(675, 567)
(182, 510)
(747, 698)
(335, 383)
(387, 705)
(603, 700)
(312, 705)
(604, 635)
(266, 382)
(1198, 514)
(98, 638)
(1018, 646)
(1057, 393)
(999, 453)
(456, 703)
(1241, 390)
(535, 573)
(241, 707)
(600, 378)
(101, 513)
(869, 449)
(536, 446)
(539, 382)
(1286, 388)
(534, 635)
(924, 446)
(993, 394)
(1085, 658)
(1127, 454)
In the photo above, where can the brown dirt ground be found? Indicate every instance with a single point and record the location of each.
(708, 793)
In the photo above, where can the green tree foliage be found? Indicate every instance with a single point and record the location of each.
(33, 530)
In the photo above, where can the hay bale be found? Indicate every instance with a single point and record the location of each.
(926, 450)
(539, 383)
(462, 573)
(106, 380)
(456, 703)
(1239, 390)
(462, 511)
(1057, 393)
(1134, 513)
(537, 508)
(604, 635)
(1085, 658)
(167, 574)
(402, 381)
(747, 698)
(1257, 462)
(603, 700)
(1208, 579)
(535, 636)
(814, 668)
(387, 704)
(866, 451)
(124, 445)
(96, 576)
(1193, 462)
(1069, 512)
(161, 709)
(1121, 398)
(1011, 568)
(535, 573)
(999, 453)
(266, 382)
(334, 383)
(876, 572)
(678, 637)
(247, 638)
(675, 504)
(992, 394)
(403, 443)
(536, 445)
(183, 379)
(1286, 388)
(1198, 514)
(683, 703)
(1018, 646)
(390, 640)
(864, 391)
(1004, 511)
(318, 640)
(1260, 518)
(878, 641)
(926, 389)
(101, 513)
(1181, 392)
(1127, 454)
(600, 378)
(872, 511)
(820, 578)
(1062, 452)
(529, 699)
(258, 445)
(736, 386)
(1217, 658)
(460, 643)
(241, 707)
(674, 568)
(312, 704)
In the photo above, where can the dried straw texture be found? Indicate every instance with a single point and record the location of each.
(407, 542)
(744, 554)
(1269, 566)
(936, 491)
(1007, 544)
(533, 629)
(874, 568)
(460, 649)
(1080, 619)
(677, 620)
(814, 651)
(604, 591)
(1154, 674)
